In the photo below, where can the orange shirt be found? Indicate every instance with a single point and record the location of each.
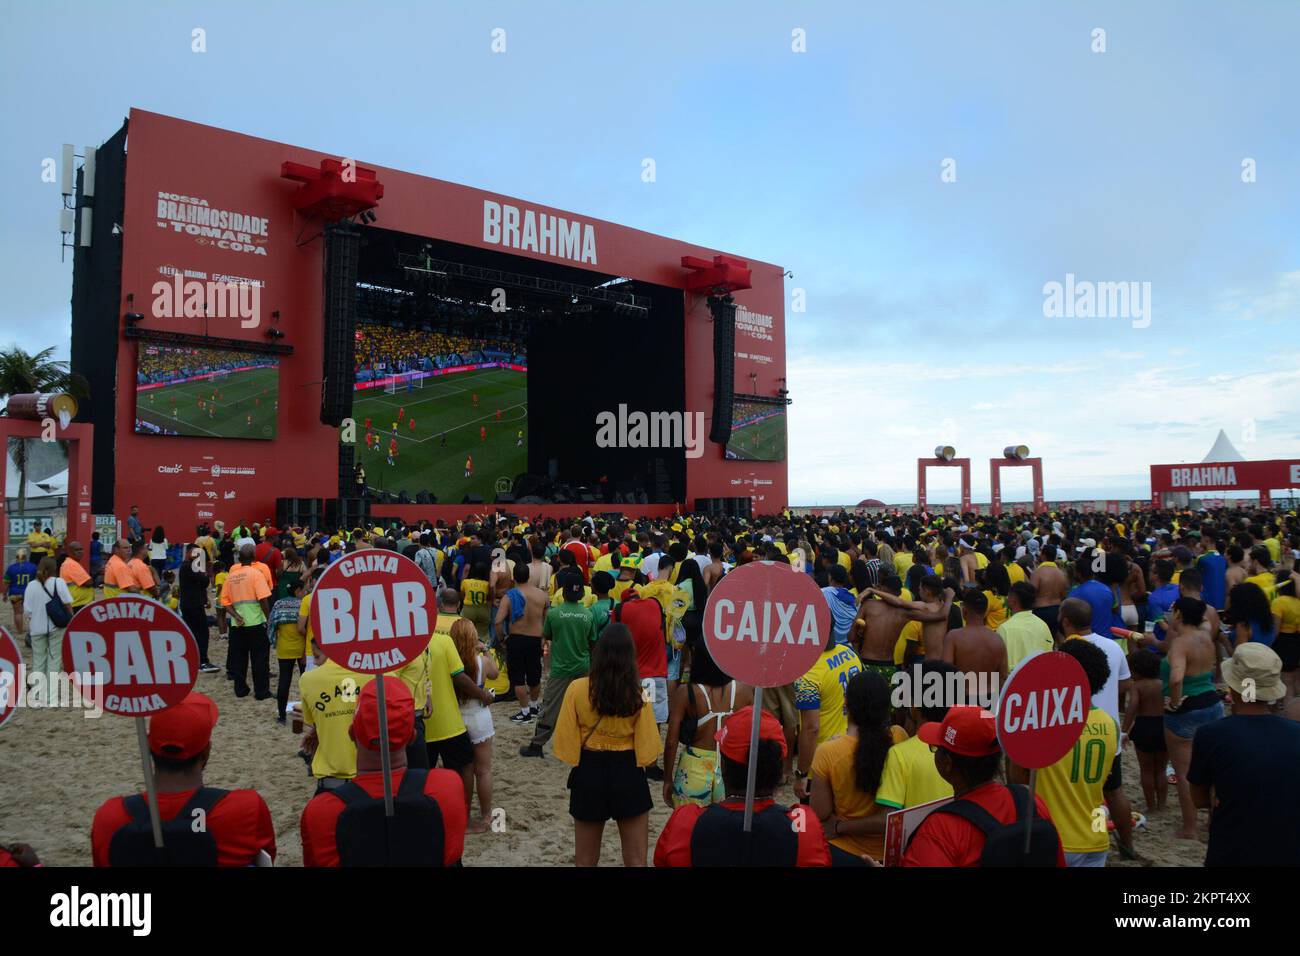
(73, 573)
(115, 573)
(266, 572)
(139, 573)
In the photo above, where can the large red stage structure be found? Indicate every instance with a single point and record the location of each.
(200, 204)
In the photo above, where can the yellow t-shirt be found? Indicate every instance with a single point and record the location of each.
(911, 632)
(910, 778)
(822, 689)
(996, 615)
(1266, 583)
(1015, 572)
(1288, 609)
(1274, 549)
(444, 663)
(329, 699)
(833, 762)
(579, 727)
(1071, 787)
(843, 558)
(902, 561)
(981, 562)
(415, 675)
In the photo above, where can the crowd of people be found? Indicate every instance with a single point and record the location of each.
(386, 348)
(1186, 625)
(159, 364)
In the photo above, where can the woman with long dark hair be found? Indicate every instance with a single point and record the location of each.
(846, 772)
(695, 715)
(158, 550)
(606, 731)
(1249, 614)
(194, 601)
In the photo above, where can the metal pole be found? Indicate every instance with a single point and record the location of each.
(1029, 817)
(146, 762)
(752, 774)
(384, 757)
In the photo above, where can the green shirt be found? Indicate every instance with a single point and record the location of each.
(600, 612)
(571, 631)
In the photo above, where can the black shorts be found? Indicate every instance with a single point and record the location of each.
(1049, 616)
(456, 752)
(524, 660)
(1116, 778)
(1148, 735)
(1287, 646)
(608, 785)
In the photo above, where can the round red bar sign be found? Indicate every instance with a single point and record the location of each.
(141, 653)
(372, 611)
(11, 676)
(766, 624)
(1042, 709)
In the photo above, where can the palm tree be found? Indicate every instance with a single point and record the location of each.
(20, 373)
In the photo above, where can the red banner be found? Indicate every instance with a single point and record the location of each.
(1227, 476)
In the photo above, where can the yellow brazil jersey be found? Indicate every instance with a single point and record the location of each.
(1071, 787)
(981, 562)
(329, 700)
(444, 663)
(1274, 549)
(1288, 609)
(474, 592)
(1015, 572)
(604, 563)
(415, 675)
(843, 558)
(780, 546)
(910, 778)
(822, 689)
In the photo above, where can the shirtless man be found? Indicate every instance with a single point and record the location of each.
(714, 570)
(875, 632)
(1237, 571)
(524, 608)
(932, 611)
(1050, 585)
(977, 651)
(968, 563)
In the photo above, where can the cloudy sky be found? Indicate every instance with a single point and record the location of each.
(924, 170)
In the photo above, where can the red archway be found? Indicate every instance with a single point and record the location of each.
(923, 464)
(81, 442)
(995, 481)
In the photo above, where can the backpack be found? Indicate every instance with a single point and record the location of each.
(132, 845)
(412, 836)
(1004, 843)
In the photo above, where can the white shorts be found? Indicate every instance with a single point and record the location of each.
(478, 722)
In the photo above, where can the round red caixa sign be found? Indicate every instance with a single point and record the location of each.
(1042, 709)
(11, 676)
(766, 624)
(373, 611)
(131, 654)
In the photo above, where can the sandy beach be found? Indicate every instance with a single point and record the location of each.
(59, 766)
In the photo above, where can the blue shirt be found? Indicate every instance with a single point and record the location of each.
(1101, 599)
(1159, 603)
(18, 574)
(1214, 578)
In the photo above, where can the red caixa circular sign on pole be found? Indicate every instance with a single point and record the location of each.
(140, 651)
(1042, 709)
(766, 624)
(373, 611)
(11, 676)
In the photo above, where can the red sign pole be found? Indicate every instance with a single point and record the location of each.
(765, 624)
(373, 611)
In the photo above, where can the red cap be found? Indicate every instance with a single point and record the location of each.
(401, 714)
(183, 730)
(733, 738)
(969, 731)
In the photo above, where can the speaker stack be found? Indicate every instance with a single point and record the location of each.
(723, 310)
(298, 512)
